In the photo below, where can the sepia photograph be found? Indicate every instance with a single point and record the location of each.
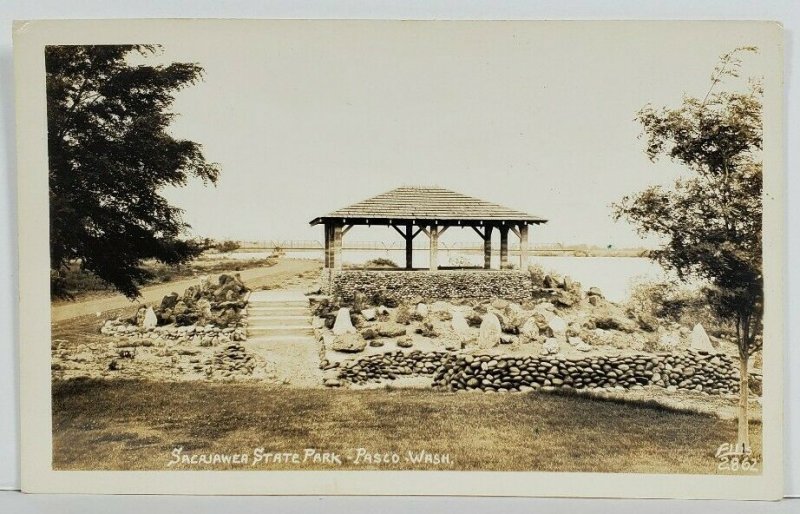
(338, 246)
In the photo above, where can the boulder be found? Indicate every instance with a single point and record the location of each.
(515, 316)
(204, 307)
(700, 340)
(551, 346)
(564, 298)
(405, 342)
(343, 324)
(610, 317)
(440, 306)
(360, 301)
(490, 330)
(499, 304)
(669, 341)
(391, 329)
(314, 288)
(558, 326)
(529, 330)
(348, 343)
(422, 310)
(369, 333)
(369, 314)
(507, 339)
(169, 301)
(150, 321)
(575, 341)
(594, 291)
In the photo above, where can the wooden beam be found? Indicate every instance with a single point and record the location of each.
(523, 246)
(417, 233)
(337, 247)
(423, 229)
(482, 234)
(399, 231)
(487, 248)
(327, 245)
(409, 237)
(443, 230)
(433, 234)
(346, 229)
(514, 230)
(503, 247)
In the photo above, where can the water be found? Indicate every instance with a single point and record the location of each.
(613, 275)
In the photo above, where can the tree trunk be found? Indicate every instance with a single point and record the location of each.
(743, 434)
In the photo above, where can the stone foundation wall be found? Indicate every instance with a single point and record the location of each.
(442, 284)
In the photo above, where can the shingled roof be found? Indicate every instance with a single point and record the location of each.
(426, 203)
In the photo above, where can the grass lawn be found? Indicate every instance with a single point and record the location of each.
(135, 425)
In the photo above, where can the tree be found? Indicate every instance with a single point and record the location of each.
(110, 153)
(710, 221)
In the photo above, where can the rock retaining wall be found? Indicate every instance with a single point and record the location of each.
(689, 371)
(443, 284)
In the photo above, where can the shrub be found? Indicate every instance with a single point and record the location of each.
(380, 262)
(227, 246)
(672, 302)
(537, 275)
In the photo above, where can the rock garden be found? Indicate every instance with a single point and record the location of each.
(194, 336)
(561, 338)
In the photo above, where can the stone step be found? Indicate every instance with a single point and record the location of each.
(270, 321)
(278, 311)
(299, 330)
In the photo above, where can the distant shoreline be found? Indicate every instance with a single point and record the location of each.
(462, 248)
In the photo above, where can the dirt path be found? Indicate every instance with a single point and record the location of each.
(255, 278)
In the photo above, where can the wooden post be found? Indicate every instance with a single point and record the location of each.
(327, 245)
(487, 247)
(503, 246)
(409, 246)
(523, 246)
(337, 246)
(434, 257)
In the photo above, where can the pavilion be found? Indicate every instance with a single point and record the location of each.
(430, 210)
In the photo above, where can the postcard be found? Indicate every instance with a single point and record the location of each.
(372, 257)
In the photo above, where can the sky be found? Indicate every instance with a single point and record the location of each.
(307, 117)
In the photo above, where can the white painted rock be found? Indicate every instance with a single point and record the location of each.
(669, 340)
(459, 323)
(369, 314)
(150, 320)
(489, 335)
(422, 309)
(700, 340)
(343, 325)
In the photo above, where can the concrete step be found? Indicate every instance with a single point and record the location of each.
(271, 321)
(284, 339)
(278, 311)
(280, 303)
(299, 330)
